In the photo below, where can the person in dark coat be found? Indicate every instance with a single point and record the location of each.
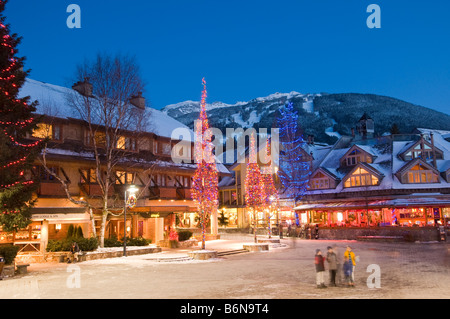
(319, 262)
(332, 265)
(74, 251)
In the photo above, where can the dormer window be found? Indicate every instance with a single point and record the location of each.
(356, 155)
(421, 174)
(320, 181)
(421, 149)
(361, 177)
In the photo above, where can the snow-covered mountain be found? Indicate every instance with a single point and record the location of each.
(326, 116)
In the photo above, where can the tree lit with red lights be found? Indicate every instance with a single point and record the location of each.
(254, 184)
(17, 154)
(205, 180)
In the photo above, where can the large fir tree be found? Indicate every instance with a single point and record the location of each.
(17, 154)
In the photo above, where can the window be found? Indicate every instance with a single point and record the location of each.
(320, 181)
(126, 143)
(124, 178)
(421, 174)
(166, 149)
(47, 131)
(44, 175)
(155, 147)
(361, 177)
(356, 157)
(88, 176)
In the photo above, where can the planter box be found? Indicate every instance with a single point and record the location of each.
(202, 254)
(269, 240)
(256, 247)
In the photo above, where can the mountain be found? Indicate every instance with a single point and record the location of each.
(326, 116)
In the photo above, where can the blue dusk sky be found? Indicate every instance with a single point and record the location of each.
(247, 49)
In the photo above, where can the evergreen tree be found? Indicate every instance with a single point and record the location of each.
(394, 129)
(294, 168)
(17, 154)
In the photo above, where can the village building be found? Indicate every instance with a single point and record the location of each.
(391, 180)
(164, 184)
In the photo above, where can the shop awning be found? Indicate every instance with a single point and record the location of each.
(60, 214)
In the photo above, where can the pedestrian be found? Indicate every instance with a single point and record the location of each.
(348, 272)
(351, 256)
(317, 231)
(338, 265)
(332, 265)
(319, 261)
(73, 254)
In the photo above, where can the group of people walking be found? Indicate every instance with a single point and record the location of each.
(336, 266)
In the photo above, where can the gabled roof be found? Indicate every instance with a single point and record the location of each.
(361, 148)
(325, 171)
(365, 166)
(410, 146)
(413, 163)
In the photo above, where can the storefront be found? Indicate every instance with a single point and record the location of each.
(399, 212)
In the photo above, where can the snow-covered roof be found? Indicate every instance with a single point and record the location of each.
(53, 102)
(387, 162)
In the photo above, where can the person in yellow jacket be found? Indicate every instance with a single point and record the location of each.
(351, 256)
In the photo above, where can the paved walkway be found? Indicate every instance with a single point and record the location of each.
(408, 270)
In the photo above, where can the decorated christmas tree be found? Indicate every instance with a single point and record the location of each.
(294, 168)
(254, 184)
(17, 154)
(205, 181)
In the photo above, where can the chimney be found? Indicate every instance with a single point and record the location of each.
(138, 101)
(433, 150)
(84, 88)
(312, 139)
(353, 132)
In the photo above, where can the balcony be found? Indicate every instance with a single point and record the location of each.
(169, 193)
(53, 189)
(94, 190)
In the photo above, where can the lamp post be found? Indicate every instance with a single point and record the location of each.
(131, 191)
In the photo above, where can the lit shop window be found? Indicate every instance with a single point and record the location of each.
(361, 177)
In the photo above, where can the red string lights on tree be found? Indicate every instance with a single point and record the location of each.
(254, 184)
(17, 153)
(205, 180)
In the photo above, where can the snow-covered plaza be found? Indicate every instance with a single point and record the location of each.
(286, 271)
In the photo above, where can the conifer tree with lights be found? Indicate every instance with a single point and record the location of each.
(205, 182)
(294, 167)
(17, 153)
(254, 184)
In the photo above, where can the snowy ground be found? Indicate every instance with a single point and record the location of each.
(286, 271)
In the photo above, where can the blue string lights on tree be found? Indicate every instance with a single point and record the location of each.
(294, 166)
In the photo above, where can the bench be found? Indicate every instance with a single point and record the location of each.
(22, 268)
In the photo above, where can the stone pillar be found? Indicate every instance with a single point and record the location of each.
(44, 236)
(214, 223)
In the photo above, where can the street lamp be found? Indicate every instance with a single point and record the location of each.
(128, 203)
